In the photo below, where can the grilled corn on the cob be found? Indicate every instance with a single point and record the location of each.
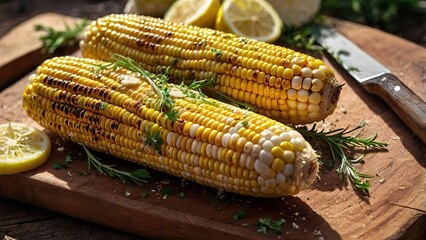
(116, 111)
(285, 85)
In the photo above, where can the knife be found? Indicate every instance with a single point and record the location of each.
(375, 78)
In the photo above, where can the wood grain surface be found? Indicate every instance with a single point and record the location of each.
(20, 47)
(329, 210)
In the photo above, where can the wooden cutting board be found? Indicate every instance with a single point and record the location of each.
(328, 209)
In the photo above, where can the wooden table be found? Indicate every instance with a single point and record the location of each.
(394, 209)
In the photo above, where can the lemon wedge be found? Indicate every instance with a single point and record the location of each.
(296, 12)
(22, 148)
(200, 13)
(255, 19)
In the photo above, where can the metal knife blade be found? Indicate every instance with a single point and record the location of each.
(375, 78)
(358, 63)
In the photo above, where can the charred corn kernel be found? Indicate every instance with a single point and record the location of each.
(241, 68)
(207, 142)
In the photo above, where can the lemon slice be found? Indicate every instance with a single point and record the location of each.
(296, 12)
(200, 13)
(255, 19)
(22, 148)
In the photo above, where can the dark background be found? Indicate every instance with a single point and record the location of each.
(405, 18)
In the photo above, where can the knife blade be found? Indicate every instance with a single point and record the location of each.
(375, 78)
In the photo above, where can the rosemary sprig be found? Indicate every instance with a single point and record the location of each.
(136, 176)
(55, 39)
(342, 147)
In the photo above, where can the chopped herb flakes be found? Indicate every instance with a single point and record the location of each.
(244, 123)
(59, 165)
(144, 194)
(104, 105)
(265, 224)
(167, 191)
(217, 51)
(239, 214)
(181, 195)
(69, 158)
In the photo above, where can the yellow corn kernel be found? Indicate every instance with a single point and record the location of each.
(195, 53)
(205, 143)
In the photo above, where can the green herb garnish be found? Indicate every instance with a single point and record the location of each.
(214, 93)
(172, 115)
(343, 147)
(55, 39)
(301, 38)
(167, 192)
(136, 176)
(353, 69)
(153, 139)
(103, 105)
(217, 51)
(158, 83)
(69, 158)
(59, 165)
(193, 91)
(181, 195)
(265, 224)
(239, 214)
(198, 85)
(244, 123)
(144, 194)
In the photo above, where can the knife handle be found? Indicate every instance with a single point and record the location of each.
(403, 101)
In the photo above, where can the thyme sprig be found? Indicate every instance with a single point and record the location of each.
(216, 94)
(194, 90)
(157, 83)
(136, 176)
(54, 39)
(343, 147)
(200, 84)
